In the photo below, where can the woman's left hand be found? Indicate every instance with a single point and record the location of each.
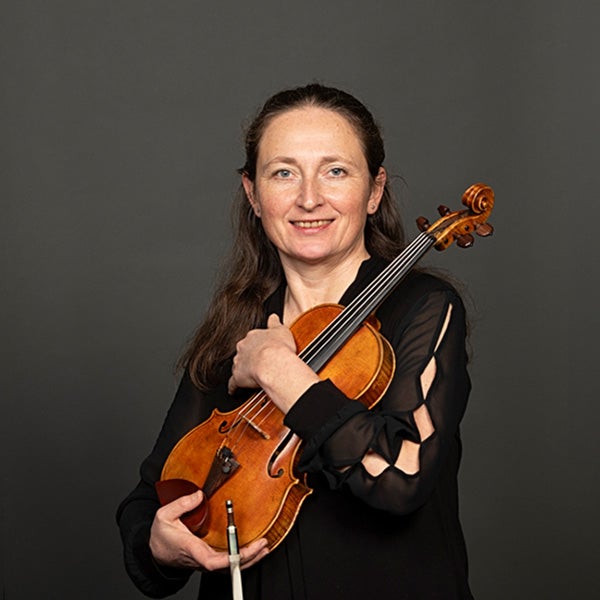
(267, 359)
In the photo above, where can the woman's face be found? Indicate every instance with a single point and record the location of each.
(313, 190)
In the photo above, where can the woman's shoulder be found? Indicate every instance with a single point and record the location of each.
(419, 291)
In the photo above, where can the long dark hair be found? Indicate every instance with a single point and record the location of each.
(253, 270)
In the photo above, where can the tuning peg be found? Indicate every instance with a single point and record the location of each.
(422, 224)
(443, 210)
(465, 241)
(484, 229)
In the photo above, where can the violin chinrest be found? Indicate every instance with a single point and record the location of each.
(172, 489)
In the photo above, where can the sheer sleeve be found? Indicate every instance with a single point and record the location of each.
(136, 513)
(390, 456)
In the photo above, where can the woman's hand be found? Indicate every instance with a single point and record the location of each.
(256, 353)
(173, 544)
(267, 359)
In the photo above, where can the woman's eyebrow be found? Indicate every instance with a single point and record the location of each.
(294, 161)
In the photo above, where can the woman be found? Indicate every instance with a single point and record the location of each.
(316, 222)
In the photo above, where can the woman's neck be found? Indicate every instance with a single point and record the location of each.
(311, 285)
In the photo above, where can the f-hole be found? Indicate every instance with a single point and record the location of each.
(224, 427)
(276, 454)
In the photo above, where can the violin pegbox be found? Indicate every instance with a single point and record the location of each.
(460, 225)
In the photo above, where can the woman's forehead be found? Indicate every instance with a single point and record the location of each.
(302, 128)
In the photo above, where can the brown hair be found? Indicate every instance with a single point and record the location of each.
(253, 270)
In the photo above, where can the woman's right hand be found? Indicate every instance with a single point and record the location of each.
(173, 544)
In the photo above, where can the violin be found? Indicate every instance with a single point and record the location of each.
(248, 455)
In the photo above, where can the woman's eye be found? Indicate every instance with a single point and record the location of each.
(283, 173)
(337, 171)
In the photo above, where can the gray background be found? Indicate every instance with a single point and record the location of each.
(121, 128)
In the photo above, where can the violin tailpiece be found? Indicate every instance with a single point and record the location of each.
(223, 467)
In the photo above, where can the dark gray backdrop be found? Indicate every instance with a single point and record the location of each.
(121, 127)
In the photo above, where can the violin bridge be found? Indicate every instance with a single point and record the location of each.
(256, 428)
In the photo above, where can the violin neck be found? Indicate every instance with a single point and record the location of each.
(326, 344)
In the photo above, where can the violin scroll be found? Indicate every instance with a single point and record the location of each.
(479, 198)
(458, 226)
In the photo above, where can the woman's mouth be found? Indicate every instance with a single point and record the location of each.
(312, 224)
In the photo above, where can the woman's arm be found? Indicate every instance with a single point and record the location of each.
(390, 456)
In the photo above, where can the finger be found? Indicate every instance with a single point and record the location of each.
(210, 560)
(273, 321)
(252, 553)
(231, 385)
(207, 558)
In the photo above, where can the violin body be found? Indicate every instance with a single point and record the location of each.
(263, 482)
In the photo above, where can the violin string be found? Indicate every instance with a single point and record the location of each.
(366, 295)
(252, 403)
(380, 284)
(342, 327)
(238, 436)
(263, 404)
(373, 294)
(272, 407)
(235, 434)
(244, 415)
(268, 405)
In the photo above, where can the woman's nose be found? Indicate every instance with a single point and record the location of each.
(309, 197)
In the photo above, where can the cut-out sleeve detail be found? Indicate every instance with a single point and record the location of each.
(391, 455)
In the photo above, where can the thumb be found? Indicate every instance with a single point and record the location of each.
(176, 508)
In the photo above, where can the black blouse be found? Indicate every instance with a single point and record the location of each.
(362, 532)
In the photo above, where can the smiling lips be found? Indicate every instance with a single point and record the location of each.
(312, 224)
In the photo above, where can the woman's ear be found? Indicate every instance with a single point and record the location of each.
(249, 189)
(377, 191)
